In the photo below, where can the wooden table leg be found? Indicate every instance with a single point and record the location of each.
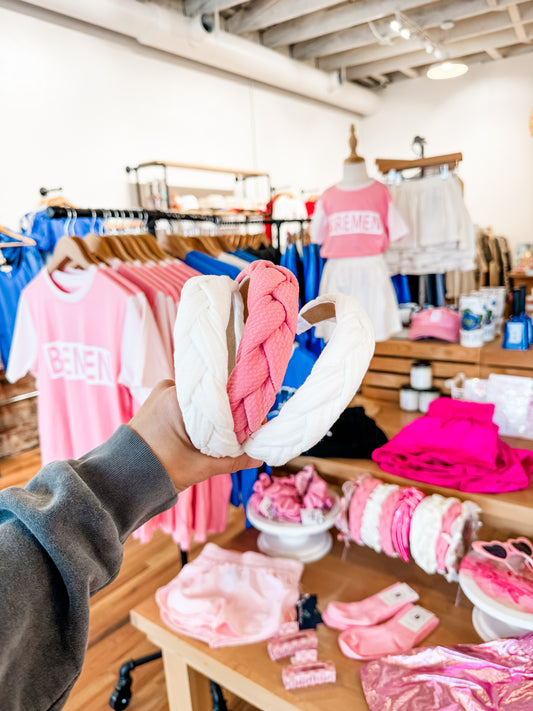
(187, 689)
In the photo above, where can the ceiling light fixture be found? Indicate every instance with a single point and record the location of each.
(405, 32)
(429, 48)
(395, 25)
(447, 70)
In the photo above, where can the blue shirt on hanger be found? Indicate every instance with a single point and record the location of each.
(25, 263)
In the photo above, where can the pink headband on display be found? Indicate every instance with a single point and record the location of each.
(385, 522)
(357, 506)
(443, 542)
(401, 520)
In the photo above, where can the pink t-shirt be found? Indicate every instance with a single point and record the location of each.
(356, 223)
(92, 346)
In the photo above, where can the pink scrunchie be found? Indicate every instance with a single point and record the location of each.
(401, 520)
(357, 506)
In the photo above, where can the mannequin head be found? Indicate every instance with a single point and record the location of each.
(354, 171)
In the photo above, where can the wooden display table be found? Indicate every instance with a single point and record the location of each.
(248, 672)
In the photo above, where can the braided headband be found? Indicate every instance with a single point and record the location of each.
(203, 360)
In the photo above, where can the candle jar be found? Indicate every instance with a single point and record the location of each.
(421, 376)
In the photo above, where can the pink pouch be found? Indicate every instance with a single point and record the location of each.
(288, 645)
(298, 676)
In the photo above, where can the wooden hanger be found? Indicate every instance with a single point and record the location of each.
(385, 165)
(100, 247)
(19, 240)
(71, 251)
(174, 244)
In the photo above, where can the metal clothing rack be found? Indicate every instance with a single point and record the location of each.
(151, 216)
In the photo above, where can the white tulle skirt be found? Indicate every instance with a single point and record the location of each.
(366, 278)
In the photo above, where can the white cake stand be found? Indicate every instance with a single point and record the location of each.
(493, 619)
(306, 543)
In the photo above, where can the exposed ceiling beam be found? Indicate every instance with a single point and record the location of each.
(480, 20)
(494, 53)
(195, 7)
(264, 13)
(361, 35)
(338, 18)
(518, 23)
(457, 49)
(473, 27)
(410, 73)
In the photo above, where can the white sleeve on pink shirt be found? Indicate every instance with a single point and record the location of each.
(396, 224)
(318, 229)
(143, 359)
(24, 346)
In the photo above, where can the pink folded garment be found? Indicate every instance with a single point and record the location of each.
(466, 677)
(228, 598)
(456, 445)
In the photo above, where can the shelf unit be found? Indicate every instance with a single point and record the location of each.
(239, 175)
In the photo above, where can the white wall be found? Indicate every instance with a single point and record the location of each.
(78, 107)
(484, 114)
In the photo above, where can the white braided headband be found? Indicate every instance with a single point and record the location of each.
(201, 368)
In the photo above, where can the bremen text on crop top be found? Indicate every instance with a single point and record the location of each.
(356, 223)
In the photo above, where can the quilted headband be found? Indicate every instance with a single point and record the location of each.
(233, 341)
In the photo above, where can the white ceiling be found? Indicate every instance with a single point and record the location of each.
(356, 39)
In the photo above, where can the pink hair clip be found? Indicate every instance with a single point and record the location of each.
(290, 644)
(305, 656)
(298, 676)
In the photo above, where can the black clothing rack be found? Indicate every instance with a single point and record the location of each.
(55, 213)
(151, 216)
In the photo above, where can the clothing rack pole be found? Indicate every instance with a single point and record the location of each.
(56, 213)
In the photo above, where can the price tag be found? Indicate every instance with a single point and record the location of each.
(416, 618)
(265, 507)
(311, 516)
(400, 593)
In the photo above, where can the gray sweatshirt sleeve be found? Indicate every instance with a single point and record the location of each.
(60, 542)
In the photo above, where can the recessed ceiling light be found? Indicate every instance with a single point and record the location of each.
(447, 25)
(439, 53)
(405, 32)
(395, 25)
(429, 47)
(447, 70)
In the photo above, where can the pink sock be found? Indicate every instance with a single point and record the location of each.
(374, 609)
(399, 634)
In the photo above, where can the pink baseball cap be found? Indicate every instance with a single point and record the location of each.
(435, 323)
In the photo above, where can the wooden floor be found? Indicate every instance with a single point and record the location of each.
(112, 640)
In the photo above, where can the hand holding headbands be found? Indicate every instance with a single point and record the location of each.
(233, 341)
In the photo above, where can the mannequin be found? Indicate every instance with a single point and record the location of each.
(354, 172)
(354, 222)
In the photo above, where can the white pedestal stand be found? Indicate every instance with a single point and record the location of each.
(491, 618)
(306, 543)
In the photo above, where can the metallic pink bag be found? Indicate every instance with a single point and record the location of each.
(495, 676)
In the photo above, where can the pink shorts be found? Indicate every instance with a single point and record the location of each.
(227, 598)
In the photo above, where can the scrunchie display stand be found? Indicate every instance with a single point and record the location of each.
(434, 531)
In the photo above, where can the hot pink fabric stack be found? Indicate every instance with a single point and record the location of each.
(456, 445)
(286, 496)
